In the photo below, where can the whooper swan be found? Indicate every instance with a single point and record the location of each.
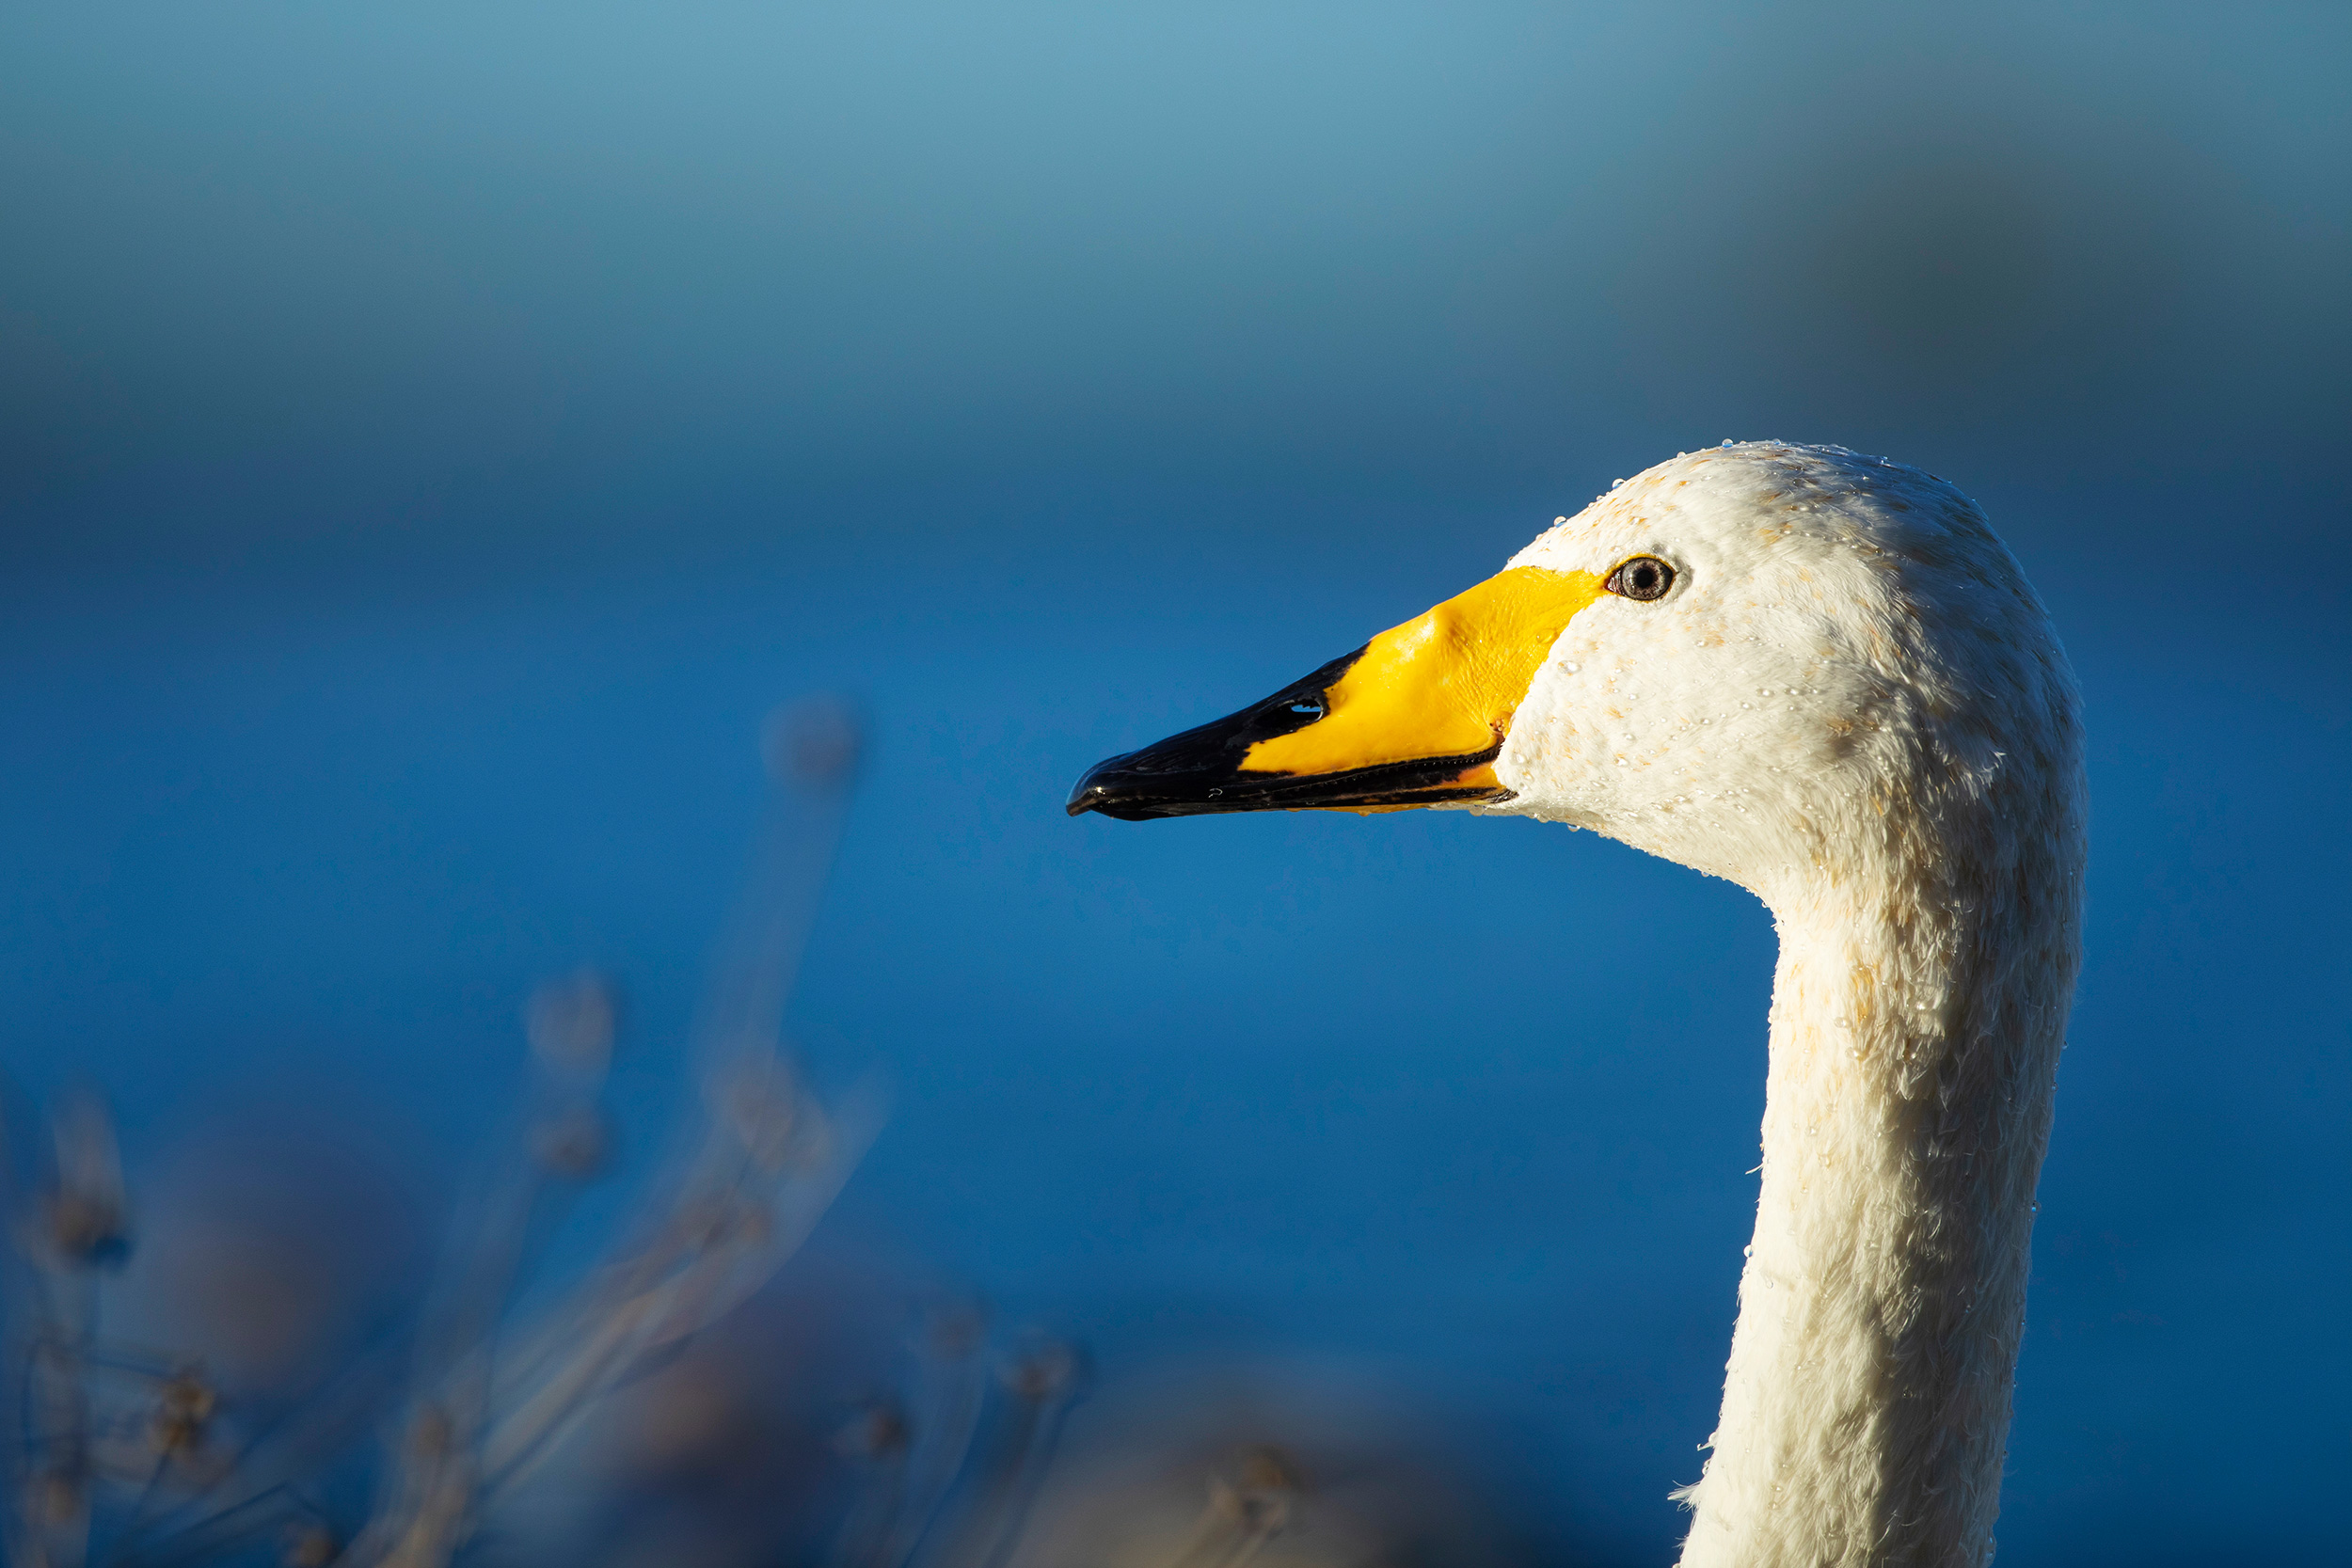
(1821, 675)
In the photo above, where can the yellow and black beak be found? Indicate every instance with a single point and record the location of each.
(1414, 718)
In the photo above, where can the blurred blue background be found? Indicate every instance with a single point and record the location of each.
(434, 436)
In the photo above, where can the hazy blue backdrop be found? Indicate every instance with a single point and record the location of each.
(435, 435)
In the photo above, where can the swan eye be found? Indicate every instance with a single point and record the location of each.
(1644, 577)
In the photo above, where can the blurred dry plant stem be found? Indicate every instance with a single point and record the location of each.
(124, 1458)
(944, 1482)
(1245, 1511)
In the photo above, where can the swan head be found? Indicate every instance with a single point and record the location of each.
(1752, 659)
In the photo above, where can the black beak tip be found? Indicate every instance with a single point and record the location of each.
(1113, 788)
(1093, 791)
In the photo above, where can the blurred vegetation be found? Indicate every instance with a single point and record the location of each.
(281, 1389)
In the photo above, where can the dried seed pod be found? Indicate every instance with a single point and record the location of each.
(185, 1404)
(816, 740)
(571, 1021)
(309, 1546)
(87, 1231)
(952, 1333)
(54, 1496)
(1264, 1489)
(87, 1212)
(881, 1431)
(575, 1144)
(432, 1435)
(1050, 1372)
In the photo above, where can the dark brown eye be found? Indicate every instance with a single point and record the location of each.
(1645, 576)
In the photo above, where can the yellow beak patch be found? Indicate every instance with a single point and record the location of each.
(1414, 718)
(1444, 683)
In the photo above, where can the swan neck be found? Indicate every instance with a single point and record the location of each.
(1914, 1036)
